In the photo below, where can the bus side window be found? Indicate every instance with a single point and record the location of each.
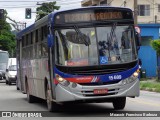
(44, 49)
(39, 49)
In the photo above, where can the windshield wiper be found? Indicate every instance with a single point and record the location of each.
(82, 36)
(112, 33)
(110, 38)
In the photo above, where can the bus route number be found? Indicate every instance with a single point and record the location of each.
(115, 77)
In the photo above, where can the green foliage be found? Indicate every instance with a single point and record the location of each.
(45, 9)
(156, 45)
(7, 39)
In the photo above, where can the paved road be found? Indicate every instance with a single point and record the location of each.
(13, 100)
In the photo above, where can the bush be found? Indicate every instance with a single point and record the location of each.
(156, 45)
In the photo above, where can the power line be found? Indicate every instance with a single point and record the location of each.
(110, 2)
(23, 6)
(25, 1)
(150, 2)
(28, 1)
(38, 1)
(124, 3)
(17, 6)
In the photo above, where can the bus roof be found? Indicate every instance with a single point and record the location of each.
(48, 17)
(3, 51)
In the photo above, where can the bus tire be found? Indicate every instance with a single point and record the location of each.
(30, 98)
(119, 103)
(17, 88)
(52, 106)
(9, 82)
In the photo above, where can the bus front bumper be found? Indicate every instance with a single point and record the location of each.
(86, 93)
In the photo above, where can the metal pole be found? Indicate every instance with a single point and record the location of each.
(125, 3)
(25, 24)
(135, 12)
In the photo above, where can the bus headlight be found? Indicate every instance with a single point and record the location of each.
(62, 80)
(125, 81)
(133, 77)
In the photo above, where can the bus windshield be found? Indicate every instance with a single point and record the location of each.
(3, 57)
(13, 68)
(114, 44)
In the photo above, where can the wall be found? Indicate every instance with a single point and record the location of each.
(146, 53)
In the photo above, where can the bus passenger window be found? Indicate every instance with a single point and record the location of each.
(39, 50)
(44, 49)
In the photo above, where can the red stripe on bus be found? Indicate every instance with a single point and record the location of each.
(55, 81)
(81, 79)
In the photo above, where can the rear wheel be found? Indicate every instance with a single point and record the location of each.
(9, 82)
(17, 84)
(52, 106)
(119, 103)
(30, 98)
(17, 88)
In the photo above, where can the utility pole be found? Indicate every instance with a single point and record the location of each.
(125, 3)
(1, 14)
(135, 12)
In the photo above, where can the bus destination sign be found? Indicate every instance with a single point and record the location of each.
(87, 16)
(92, 16)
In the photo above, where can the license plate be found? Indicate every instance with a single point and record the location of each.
(100, 91)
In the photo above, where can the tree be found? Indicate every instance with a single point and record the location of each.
(45, 9)
(7, 39)
(156, 45)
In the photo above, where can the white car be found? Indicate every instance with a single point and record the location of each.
(11, 74)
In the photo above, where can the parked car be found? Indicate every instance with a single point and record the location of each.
(11, 74)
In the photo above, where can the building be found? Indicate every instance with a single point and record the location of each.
(148, 12)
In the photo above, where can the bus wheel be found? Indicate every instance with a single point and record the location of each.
(52, 106)
(17, 88)
(9, 82)
(30, 98)
(119, 103)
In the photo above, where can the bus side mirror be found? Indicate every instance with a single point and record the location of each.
(138, 40)
(50, 40)
(7, 70)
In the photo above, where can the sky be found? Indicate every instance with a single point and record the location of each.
(16, 8)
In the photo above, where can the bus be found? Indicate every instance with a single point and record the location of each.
(80, 55)
(3, 63)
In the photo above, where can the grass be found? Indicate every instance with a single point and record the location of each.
(150, 85)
